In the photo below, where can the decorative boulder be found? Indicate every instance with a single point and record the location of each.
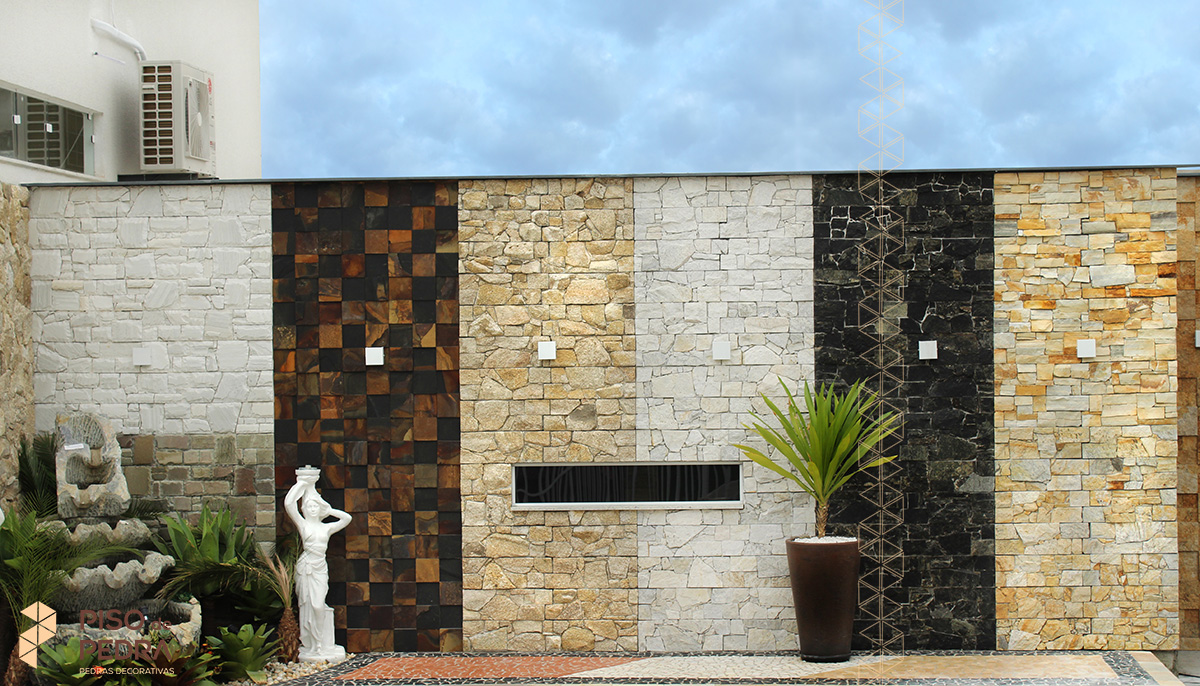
(91, 482)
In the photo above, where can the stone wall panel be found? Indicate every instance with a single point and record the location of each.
(1186, 399)
(945, 596)
(1086, 447)
(729, 258)
(16, 334)
(183, 272)
(546, 259)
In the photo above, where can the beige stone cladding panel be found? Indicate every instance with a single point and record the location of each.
(545, 260)
(1189, 372)
(1086, 448)
(181, 271)
(719, 258)
(16, 335)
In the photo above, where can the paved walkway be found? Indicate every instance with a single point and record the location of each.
(1074, 668)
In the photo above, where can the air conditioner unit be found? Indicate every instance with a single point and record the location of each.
(177, 120)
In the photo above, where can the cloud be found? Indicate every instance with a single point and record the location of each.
(511, 87)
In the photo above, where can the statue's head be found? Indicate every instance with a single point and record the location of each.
(315, 507)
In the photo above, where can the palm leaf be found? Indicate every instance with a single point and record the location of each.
(824, 445)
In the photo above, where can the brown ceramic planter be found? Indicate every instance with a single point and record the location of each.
(825, 592)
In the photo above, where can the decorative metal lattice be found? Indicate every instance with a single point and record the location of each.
(879, 314)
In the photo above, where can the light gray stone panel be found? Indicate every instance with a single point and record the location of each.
(182, 271)
(732, 258)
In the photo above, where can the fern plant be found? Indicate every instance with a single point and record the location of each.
(36, 473)
(825, 444)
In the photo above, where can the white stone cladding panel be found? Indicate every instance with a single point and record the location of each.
(732, 258)
(183, 271)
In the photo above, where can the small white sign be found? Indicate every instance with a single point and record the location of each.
(374, 357)
(721, 349)
(1198, 339)
(1085, 347)
(547, 350)
(927, 350)
(141, 357)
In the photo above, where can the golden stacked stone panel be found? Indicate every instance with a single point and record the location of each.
(1086, 447)
(546, 260)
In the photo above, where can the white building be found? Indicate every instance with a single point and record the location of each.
(71, 89)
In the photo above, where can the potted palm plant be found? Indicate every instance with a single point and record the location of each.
(823, 446)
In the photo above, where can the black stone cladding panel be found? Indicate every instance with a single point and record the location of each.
(947, 596)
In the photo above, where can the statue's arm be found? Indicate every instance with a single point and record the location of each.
(290, 500)
(342, 521)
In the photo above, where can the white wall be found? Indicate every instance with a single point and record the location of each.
(48, 49)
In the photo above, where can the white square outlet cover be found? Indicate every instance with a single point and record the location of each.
(141, 356)
(927, 350)
(547, 350)
(1085, 347)
(374, 357)
(721, 349)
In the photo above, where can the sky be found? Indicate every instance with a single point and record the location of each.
(400, 88)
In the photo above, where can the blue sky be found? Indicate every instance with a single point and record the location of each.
(544, 87)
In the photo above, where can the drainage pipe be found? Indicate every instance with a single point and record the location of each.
(120, 37)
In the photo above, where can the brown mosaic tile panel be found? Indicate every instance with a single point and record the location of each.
(1189, 371)
(374, 264)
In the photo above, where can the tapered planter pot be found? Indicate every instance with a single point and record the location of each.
(825, 592)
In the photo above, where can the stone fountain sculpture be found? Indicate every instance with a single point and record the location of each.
(312, 571)
(92, 499)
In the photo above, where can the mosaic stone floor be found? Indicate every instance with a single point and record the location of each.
(1075, 668)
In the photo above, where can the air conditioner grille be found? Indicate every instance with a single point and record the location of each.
(157, 108)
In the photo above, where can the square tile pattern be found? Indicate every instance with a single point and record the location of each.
(362, 265)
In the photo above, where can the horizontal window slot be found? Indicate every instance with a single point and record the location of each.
(637, 485)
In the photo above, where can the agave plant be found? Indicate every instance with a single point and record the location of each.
(67, 664)
(824, 445)
(244, 655)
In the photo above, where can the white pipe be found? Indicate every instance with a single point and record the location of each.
(120, 37)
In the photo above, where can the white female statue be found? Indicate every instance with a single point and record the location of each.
(312, 571)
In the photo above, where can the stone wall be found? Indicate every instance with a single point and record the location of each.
(546, 260)
(184, 471)
(16, 334)
(946, 596)
(182, 271)
(719, 258)
(1189, 373)
(1086, 448)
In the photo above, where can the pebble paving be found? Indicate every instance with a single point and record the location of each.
(929, 668)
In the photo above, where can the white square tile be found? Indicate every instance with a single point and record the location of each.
(1085, 347)
(927, 350)
(374, 357)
